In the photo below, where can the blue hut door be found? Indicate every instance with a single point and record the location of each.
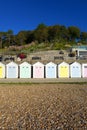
(11, 72)
(76, 71)
(50, 72)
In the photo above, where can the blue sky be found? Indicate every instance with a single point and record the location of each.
(21, 15)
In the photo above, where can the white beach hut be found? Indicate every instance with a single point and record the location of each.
(84, 70)
(75, 70)
(25, 70)
(2, 70)
(38, 70)
(63, 70)
(51, 70)
(12, 70)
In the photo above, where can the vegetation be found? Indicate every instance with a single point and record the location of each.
(53, 37)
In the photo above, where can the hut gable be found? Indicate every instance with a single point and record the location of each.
(75, 64)
(25, 64)
(51, 64)
(38, 64)
(63, 64)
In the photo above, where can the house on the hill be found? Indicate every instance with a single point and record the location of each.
(12, 70)
(51, 70)
(81, 51)
(38, 70)
(25, 70)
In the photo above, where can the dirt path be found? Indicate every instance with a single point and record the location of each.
(43, 80)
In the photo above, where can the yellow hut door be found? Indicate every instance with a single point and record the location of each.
(64, 71)
(1, 72)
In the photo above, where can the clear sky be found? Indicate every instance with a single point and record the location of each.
(19, 15)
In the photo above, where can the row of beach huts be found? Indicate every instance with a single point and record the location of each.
(39, 70)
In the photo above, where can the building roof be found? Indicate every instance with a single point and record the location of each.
(38, 63)
(83, 47)
(50, 63)
(25, 63)
(12, 63)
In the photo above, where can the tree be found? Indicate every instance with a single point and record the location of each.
(64, 33)
(57, 33)
(53, 32)
(83, 36)
(1, 39)
(30, 37)
(74, 33)
(41, 33)
(21, 37)
(9, 34)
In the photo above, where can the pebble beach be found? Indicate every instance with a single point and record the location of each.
(43, 106)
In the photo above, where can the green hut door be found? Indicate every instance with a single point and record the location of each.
(25, 72)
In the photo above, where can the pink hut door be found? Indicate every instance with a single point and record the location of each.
(38, 72)
(85, 71)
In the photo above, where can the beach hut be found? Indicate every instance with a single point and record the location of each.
(38, 70)
(2, 70)
(84, 70)
(75, 70)
(63, 70)
(50, 70)
(12, 70)
(25, 70)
